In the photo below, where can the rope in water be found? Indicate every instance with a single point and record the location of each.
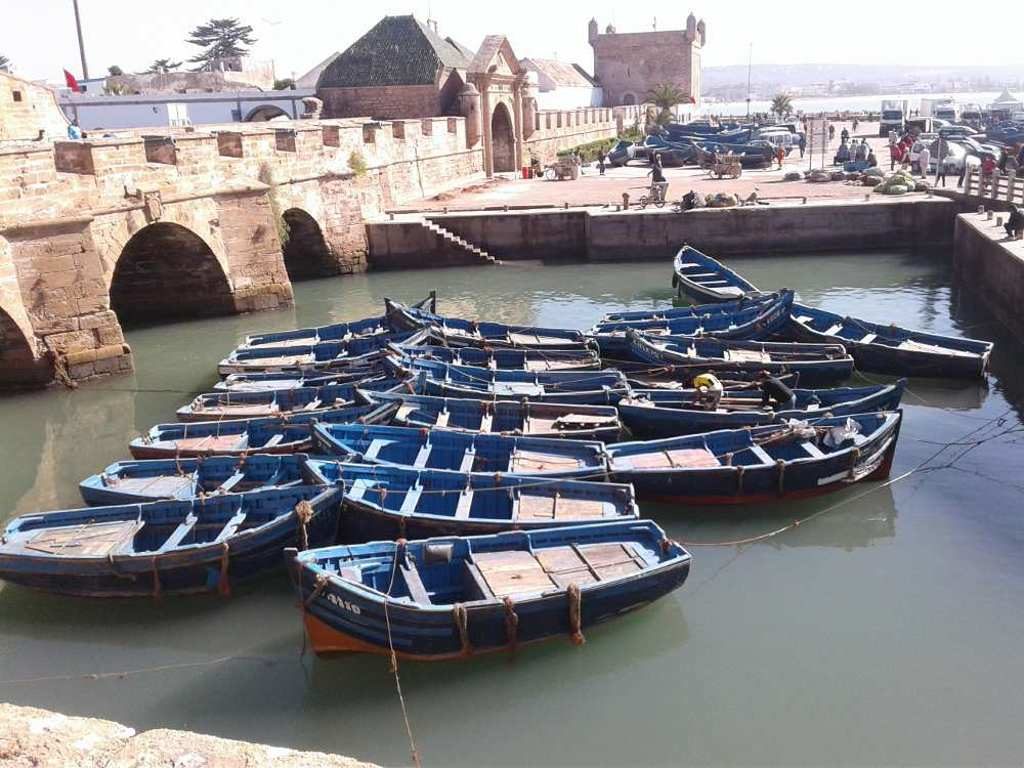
(394, 658)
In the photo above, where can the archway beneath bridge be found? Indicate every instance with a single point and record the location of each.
(19, 367)
(306, 253)
(265, 113)
(168, 272)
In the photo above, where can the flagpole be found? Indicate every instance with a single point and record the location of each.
(81, 42)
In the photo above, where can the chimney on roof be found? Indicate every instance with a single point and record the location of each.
(432, 23)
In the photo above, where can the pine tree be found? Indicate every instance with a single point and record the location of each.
(219, 39)
(162, 67)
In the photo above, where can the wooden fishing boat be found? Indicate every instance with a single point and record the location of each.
(166, 547)
(593, 387)
(892, 349)
(243, 437)
(460, 451)
(678, 377)
(815, 363)
(721, 314)
(655, 413)
(128, 482)
(757, 320)
(267, 382)
(358, 352)
(454, 597)
(213, 406)
(703, 279)
(508, 359)
(740, 466)
(369, 326)
(457, 332)
(389, 502)
(504, 417)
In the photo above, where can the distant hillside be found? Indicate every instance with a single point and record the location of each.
(806, 74)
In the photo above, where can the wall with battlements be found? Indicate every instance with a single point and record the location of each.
(94, 232)
(27, 108)
(557, 130)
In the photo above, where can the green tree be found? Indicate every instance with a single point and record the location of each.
(782, 105)
(114, 71)
(219, 39)
(284, 84)
(5, 63)
(665, 96)
(162, 67)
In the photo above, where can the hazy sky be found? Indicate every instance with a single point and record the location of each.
(39, 35)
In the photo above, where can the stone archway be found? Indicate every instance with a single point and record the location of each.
(18, 365)
(628, 99)
(167, 272)
(306, 253)
(503, 140)
(266, 112)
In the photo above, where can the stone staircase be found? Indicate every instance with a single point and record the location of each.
(483, 256)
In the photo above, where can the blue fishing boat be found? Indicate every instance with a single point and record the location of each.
(213, 406)
(460, 451)
(358, 352)
(166, 547)
(814, 363)
(384, 501)
(639, 317)
(892, 349)
(703, 279)
(242, 437)
(504, 417)
(759, 464)
(128, 482)
(457, 332)
(655, 413)
(757, 319)
(276, 380)
(454, 597)
(368, 326)
(594, 387)
(676, 377)
(506, 358)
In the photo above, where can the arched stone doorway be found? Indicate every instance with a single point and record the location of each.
(503, 142)
(167, 272)
(628, 99)
(18, 366)
(266, 112)
(306, 254)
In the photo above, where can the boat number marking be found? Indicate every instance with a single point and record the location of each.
(344, 604)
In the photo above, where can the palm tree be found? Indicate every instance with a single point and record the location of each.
(219, 39)
(782, 105)
(162, 67)
(5, 63)
(665, 96)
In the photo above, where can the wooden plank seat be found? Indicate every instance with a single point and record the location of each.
(512, 572)
(535, 461)
(581, 420)
(675, 458)
(231, 528)
(86, 540)
(214, 443)
(159, 486)
(414, 583)
(178, 535)
(537, 506)
(748, 355)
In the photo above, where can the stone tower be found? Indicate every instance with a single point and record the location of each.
(592, 31)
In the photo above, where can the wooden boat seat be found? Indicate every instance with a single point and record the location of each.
(536, 507)
(731, 290)
(761, 454)
(486, 422)
(675, 458)
(178, 535)
(934, 349)
(692, 275)
(414, 583)
(477, 588)
(869, 338)
(411, 500)
(405, 410)
(748, 356)
(535, 461)
(160, 486)
(465, 505)
(422, 457)
(442, 418)
(232, 481)
(813, 450)
(512, 572)
(589, 563)
(214, 443)
(517, 388)
(231, 528)
(468, 460)
(833, 330)
(582, 421)
(274, 440)
(802, 319)
(86, 540)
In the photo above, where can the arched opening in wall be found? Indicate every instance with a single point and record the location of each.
(167, 272)
(265, 113)
(18, 366)
(628, 99)
(306, 254)
(503, 142)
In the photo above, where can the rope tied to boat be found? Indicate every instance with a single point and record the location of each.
(854, 460)
(224, 583)
(781, 465)
(511, 623)
(304, 513)
(461, 617)
(575, 598)
(319, 585)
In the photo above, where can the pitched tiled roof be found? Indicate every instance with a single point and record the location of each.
(560, 73)
(399, 50)
(488, 48)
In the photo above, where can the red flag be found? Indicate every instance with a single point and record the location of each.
(72, 83)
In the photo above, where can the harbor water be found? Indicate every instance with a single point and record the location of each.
(886, 630)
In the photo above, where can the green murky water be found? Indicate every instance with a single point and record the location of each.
(887, 631)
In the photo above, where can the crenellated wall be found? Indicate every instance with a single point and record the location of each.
(188, 222)
(557, 130)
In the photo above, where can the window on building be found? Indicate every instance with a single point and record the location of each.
(17, 95)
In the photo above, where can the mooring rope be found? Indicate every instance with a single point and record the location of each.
(399, 550)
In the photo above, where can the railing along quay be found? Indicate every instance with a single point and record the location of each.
(1003, 188)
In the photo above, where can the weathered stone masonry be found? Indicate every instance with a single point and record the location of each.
(187, 223)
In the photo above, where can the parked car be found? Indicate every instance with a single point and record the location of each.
(953, 161)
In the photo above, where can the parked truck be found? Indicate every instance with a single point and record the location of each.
(893, 116)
